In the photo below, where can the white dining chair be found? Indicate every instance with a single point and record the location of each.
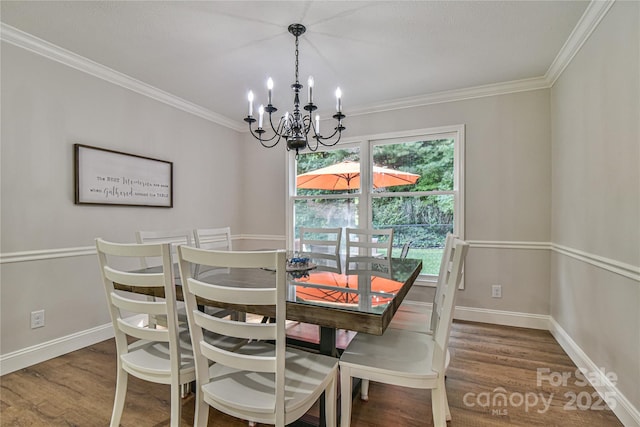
(421, 318)
(366, 243)
(407, 358)
(213, 238)
(162, 355)
(263, 381)
(174, 237)
(323, 246)
(405, 249)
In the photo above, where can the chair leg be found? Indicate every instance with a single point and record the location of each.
(201, 415)
(446, 405)
(330, 402)
(345, 396)
(438, 405)
(176, 404)
(121, 392)
(364, 390)
(185, 390)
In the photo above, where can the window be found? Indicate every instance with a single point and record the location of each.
(411, 183)
(327, 198)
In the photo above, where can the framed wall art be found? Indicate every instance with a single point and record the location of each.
(107, 177)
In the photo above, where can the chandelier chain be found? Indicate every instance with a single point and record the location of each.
(297, 81)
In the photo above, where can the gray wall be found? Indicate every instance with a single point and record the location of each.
(46, 108)
(596, 196)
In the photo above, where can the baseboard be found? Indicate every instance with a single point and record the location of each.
(501, 317)
(29, 356)
(627, 413)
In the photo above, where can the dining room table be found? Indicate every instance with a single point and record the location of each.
(362, 297)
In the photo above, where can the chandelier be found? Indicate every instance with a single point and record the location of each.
(297, 127)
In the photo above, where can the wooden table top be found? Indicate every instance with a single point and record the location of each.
(362, 300)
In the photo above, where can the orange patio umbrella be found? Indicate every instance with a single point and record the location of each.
(346, 176)
(331, 287)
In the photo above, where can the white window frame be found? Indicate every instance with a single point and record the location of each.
(365, 144)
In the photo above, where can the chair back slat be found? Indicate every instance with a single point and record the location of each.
(230, 259)
(143, 332)
(245, 362)
(128, 249)
(138, 306)
(247, 331)
(230, 295)
(148, 280)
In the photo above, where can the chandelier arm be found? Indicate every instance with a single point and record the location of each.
(321, 139)
(311, 148)
(262, 141)
(277, 130)
(325, 138)
(258, 135)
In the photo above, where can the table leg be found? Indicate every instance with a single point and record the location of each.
(328, 341)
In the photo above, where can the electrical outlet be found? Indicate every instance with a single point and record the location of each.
(37, 319)
(496, 291)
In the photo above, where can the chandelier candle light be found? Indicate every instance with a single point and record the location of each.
(295, 127)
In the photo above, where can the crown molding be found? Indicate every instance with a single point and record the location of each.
(596, 10)
(51, 51)
(493, 89)
(589, 21)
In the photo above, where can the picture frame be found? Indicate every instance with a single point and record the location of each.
(114, 178)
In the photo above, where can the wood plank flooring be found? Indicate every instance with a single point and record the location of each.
(486, 360)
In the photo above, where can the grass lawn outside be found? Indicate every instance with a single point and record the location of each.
(430, 257)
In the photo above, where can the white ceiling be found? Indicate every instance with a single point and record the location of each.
(211, 53)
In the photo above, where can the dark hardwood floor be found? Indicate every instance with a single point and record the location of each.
(487, 362)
